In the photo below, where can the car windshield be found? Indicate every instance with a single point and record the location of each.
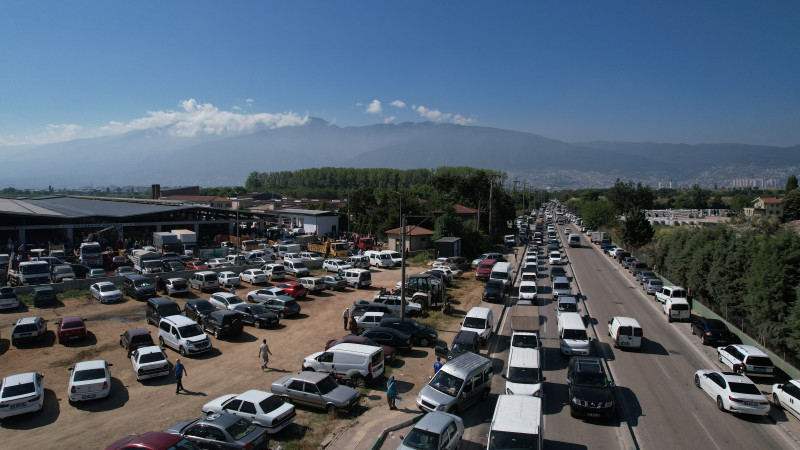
(18, 389)
(527, 288)
(89, 374)
(561, 286)
(235, 300)
(25, 328)
(34, 269)
(326, 385)
(8, 295)
(204, 307)
(257, 272)
(142, 283)
(524, 375)
(337, 277)
(590, 379)
(758, 361)
(524, 341)
(578, 335)
(107, 288)
(421, 439)
(446, 383)
(240, 429)
(271, 403)
(258, 309)
(190, 330)
(744, 388)
(462, 347)
(506, 440)
(292, 304)
(71, 324)
(716, 325)
(475, 322)
(152, 357)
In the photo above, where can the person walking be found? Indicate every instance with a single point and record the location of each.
(391, 392)
(437, 365)
(180, 371)
(515, 253)
(353, 325)
(346, 317)
(264, 353)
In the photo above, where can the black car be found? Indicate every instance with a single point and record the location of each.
(712, 332)
(389, 336)
(493, 291)
(198, 309)
(282, 305)
(43, 295)
(420, 334)
(557, 271)
(256, 315)
(223, 323)
(589, 388)
(173, 266)
(139, 287)
(159, 307)
(465, 341)
(81, 270)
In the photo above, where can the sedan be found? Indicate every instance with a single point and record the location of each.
(263, 408)
(149, 362)
(259, 295)
(21, 394)
(436, 429)
(317, 390)
(283, 306)
(196, 265)
(70, 329)
(254, 276)
(153, 440)
(293, 289)
(106, 292)
(217, 262)
(711, 331)
(389, 336)
(732, 392)
(257, 315)
(124, 271)
(335, 265)
(8, 298)
(225, 300)
(389, 353)
(228, 279)
(198, 309)
(787, 396)
(96, 273)
(90, 380)
(222, 431)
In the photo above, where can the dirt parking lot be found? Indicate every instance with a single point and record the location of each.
(233, 366)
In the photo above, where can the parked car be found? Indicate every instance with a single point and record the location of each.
(225, 300)
(105, 292)
(90, 380)
(334, 282)
(787, 396)
(43, 295)
(196, 265)
(223, 324)
(96, 273)
(254, 276)
(746, 359)
(157, 308)
(257, 315)
(652, 286)
(283, 306)
(436, 430)
(183, 335)
(293, 289)
(173, 266)
(134, 338)
(8, 298)
(28, 329)
(62, 272)
(176, 286)
(390, 337)
(138, 287)
(335, 265)
(228, 279)
(217, 263)
(222, 431)
(421, 335)
(149, 362)
(70, 328)
(389, 353)
(493, 291)
(22, 393)
(711, 331)
(262, 294)
(123, 271)
(395, 304)
(317, 390)
(369, 320)
(263, 408)
(153, 440)
(197, 309)
(733, 392)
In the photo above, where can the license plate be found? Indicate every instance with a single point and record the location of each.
(88, 396)
(19, 405)
(759, 369)
(750, 404)
(593, 415)
(624, 344)
(73, 337)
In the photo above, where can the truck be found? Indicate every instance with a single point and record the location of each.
(524, 319)
(166, 242)
(29, 272)
(235, 240)
(598, 236)
(328, 248)
(91, 254)
(364, 243)
(143, 261)
(188, 241)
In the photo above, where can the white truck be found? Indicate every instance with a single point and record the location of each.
(145, 261)
(29, 272)
(91, 254)
(188, 241)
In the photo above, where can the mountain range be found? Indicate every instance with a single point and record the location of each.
(159, 156)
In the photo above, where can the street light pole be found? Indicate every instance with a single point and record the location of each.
(402, 261)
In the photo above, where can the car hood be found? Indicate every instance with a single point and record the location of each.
(493, 291)
(591, 394)
(524, 389)
(435, 397)
(341, 395)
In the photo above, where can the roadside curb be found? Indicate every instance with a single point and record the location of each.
(382, 437)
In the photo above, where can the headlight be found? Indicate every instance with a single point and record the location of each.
(441, 408)
(576, 400)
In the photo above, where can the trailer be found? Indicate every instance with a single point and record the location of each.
(525, 318)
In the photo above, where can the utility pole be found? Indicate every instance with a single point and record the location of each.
(491, 193)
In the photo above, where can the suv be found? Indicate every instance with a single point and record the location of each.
(465, 341)
(138, 287)
(589, 388)
(135, 338)
(746, 359)
(44, 295)
(223, 323)
(62, 272)
(29, 329)
(182, 334)
(158, 307)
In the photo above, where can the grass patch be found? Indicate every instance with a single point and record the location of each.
(73, 294)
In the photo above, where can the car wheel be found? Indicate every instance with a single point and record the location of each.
(693, 332)
(697, 380)
(250, 299)
(359, 381)
(257, 324)
(720, 405)
(703, 340)
(776, 400)
(307, 369)
(423, 342)
(281, 314)
(161, 341)
(331, 409)
(719, 355)
(182, 351)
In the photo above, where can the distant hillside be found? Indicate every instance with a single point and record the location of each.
(158, 156)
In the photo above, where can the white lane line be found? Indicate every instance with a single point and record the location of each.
(711, 439)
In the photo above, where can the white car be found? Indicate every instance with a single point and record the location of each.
(732, 392)
(176, 286)
(254, 276)
(21, 394)
(369, 320)
(554, 258)
(396, 304)
(260, 295)
(787, 396)
(262, 408)
(225, 300)
(527, 290)
(747, 359)
(90, 380)
(228, 279)
(335, 265)
(217, 262)
(149, 362)
(567, 231)
(451, 269)
(106, 292)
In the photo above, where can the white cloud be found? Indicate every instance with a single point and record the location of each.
(398, 104)
(374, 107)
(52, 133)
(460, 120)
(237, 108)
(388, 119)
(249, 100)
(437, 116)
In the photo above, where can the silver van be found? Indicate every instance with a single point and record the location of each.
(295, 268)
(358, 261)
(357, 278)
(204, 281)
(460, 383)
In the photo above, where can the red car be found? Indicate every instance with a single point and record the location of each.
(154, 440)
(196, 265)
(70, 329)
(293, 289)
(389, 353)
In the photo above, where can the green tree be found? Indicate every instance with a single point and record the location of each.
(791, 205)
(699, 197)
(597, 214)
(741, 201)
(636, 230)
(447, 224)
(791, 183)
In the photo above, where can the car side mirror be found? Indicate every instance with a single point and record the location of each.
(779, 387)
(504, 376)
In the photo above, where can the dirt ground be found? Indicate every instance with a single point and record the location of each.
(233, 366)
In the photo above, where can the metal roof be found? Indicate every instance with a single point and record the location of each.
(305, 212)
(75, 207)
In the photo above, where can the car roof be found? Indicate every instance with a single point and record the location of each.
(225, 294)
(13, 380)
(523, 357)
(149, 349)
(254, 395)
(435, 422)
(64, 319)
(517, 413)
(93, 364)
(732, 377)
(465, 336)
(560, 280)
(27, 320)
(137, 331)
(386, 330)
(313, 377)
(373, 313)
(750, 350)
(105, 283)
(220, 420)
(479, 311)
(627, 322)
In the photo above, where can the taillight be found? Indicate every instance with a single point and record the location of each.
(105, 384)
(617, 334)
(73, 389)
(708, 333)
(734, 399)
(369, 368)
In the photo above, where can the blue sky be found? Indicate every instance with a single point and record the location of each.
(665, 71)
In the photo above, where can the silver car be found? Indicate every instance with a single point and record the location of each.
(317, 390)
(436, 430)
(652, 286)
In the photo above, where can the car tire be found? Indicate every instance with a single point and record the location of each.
(703, 340)
(331, 409)
(287, 400)
(161, 342)
(776, 401)
(257, 324)
(697, 380)
(484, 395)
(182, 351)
(359, 381)
(720, 404)
(216, 334)
(424, 342)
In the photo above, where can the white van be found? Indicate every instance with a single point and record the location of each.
(313, 284)
(357, 278)
(572, 333)
(396, 257)
(358, 261)
(574, 240)
(524, 373)
(626, 332)
(295, 268)
(275, 272)
(359, 362)
(677, 309)
(516, 423)
(379, 259)
(282, 249)
(502, 271)
(183, 335)
(481, 321)
(667, 292)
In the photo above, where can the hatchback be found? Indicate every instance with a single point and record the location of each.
(293, 289)
(436, 430)
(70, 329)
(29, 329)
